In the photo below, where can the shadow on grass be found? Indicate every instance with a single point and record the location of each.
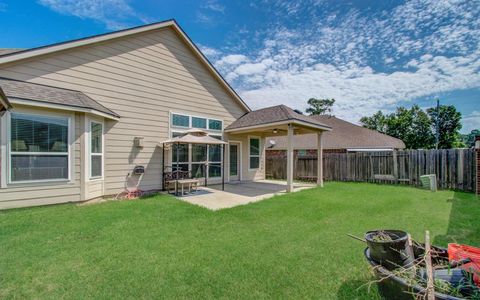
(464, 221)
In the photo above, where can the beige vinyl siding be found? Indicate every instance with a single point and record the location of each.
(142, 78)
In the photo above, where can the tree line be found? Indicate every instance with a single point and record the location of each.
(416, 127)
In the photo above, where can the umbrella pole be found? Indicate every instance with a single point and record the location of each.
(176, 182)
(163, 166)
(223, 167)
(205, 175)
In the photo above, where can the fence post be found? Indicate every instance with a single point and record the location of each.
(477, 159)
(395, 165)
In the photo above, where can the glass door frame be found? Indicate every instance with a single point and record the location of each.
(239, 160)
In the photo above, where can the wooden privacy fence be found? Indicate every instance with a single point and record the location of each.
(454, 168)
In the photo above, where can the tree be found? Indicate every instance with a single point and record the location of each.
(469, 138)
(412, 126)
(320, 106)
(449, 125)
(378, 122)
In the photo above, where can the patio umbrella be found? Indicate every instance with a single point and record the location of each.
(195, 136)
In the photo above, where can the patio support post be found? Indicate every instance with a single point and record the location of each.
(320, 159)
(290, 159)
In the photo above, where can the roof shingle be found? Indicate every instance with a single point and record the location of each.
(344, 135)
(15, 89)
(272, 114)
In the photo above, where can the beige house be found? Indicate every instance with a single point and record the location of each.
(78, 117)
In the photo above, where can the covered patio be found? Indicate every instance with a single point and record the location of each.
(240, 193)
(279, 120)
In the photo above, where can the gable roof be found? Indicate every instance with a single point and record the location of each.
(344, 135)
(21, 92)
(4, 51)
(274, 114)
(24, 54)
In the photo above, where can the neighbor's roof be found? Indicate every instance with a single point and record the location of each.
(24, 54)
(21, 92)
(344, 135)
(273, 115)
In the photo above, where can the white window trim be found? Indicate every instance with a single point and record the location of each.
(8, 155)
(240, 164)
(259, 152)
(89, 149)
(190, 116)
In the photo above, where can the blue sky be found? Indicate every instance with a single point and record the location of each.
(368, 55)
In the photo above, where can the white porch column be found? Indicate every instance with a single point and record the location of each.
(320, 159)
(290, 159)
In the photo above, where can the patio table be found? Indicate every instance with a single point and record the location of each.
(186, 182)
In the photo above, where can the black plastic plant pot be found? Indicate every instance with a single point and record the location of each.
(390, 248)
(392, 287)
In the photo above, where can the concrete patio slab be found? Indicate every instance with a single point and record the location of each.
(241, 193)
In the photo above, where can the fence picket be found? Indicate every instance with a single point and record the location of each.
(454, 168)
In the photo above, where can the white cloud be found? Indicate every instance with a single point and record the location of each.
(249, 69)
(205, 18)
(360, 90)
(471, 121)
(209, 12)
(208, 51)
(115, 14)
(365, 61)
(213, 5)
(232, 59)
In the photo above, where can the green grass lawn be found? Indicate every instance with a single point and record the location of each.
(292, 246)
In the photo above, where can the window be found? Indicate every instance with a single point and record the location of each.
(214, 124)
(199, 157)
(254, 153)
(180, 120)
(215, 160)
(182, 154)
(199, 122)
(39, 148)
(96, 150)
(193, 158)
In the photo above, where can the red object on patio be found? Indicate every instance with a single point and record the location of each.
(458, 252)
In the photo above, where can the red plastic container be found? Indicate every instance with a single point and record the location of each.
(458, 252)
